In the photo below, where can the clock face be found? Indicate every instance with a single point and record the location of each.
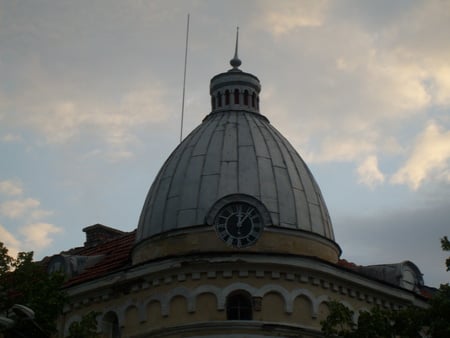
(238, 224)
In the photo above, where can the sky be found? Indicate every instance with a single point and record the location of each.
(91, 95)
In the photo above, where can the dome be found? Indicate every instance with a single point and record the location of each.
(234, 152)
(235, 155)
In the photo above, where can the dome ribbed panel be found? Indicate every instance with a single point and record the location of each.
(234, 152)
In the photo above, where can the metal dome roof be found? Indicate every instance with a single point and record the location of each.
(235, 151)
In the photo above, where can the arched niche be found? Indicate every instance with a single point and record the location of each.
(110, 325)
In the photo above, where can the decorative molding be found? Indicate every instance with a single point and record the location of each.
(191, 295)
(209, 274)
(220, 327)
(304, 270)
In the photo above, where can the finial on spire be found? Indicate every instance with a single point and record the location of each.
(235, 62)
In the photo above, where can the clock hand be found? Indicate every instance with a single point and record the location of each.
(247, 214)
(239, 223)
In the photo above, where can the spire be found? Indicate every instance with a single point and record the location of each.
(235, 62)
(235, 90)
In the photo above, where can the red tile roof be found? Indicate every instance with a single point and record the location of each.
(117, 256)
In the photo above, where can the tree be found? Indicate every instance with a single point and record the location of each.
(86, 327)
(410, 322)
(25, 282)
(445, 244)
(376, 323)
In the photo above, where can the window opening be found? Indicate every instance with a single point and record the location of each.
(239, 306)
(219, 99)
(110, 326)
(236, 96)
(246, 98)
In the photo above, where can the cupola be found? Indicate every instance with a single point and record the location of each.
(234, 184)
(235, 89)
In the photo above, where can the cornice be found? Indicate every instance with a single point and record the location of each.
(302, 270)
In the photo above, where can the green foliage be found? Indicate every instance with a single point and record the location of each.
(339, 322)
(86, 327)
(5, 260)
(412, 322)
(376, 323)
(373, 324)
(27, 283)
(437, 317)
(445, 244)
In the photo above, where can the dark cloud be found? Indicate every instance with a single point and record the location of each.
(391, 236)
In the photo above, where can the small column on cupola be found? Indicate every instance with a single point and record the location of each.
(235, 90)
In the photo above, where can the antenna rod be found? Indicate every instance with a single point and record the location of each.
(237, 43)
(184, 79)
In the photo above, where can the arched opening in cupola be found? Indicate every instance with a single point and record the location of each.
(227, 97)
(236, 96)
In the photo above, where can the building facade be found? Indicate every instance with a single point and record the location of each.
(234, 240)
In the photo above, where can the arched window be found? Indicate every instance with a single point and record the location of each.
(213, 102)
(253, 99)
(110, 326)
(236, 96)
(219, 99)
(239, 306)
(227, 97)
(246, 97)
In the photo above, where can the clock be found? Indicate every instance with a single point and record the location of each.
(238, 224)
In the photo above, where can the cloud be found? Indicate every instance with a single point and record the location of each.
(10, 137)
(429, 158)
(281, 19)
(442, 85)
(37, 235)
(398, 83)
(61, 121)
(32, 237)
(25, 208)
(341, 148)
(365, 96)
(394, 235)
(11, 188)
(18, 208)
(10, 241)
(58, 122)
(369, 173)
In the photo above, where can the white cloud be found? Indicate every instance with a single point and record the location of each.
(18, 208)
(398, 83)
(10, 241)
(361, 97)
(281, 18)
(369, 173)
(10, 137)
(38, 235)
(38, 214)
(61, 121)
(442, 85)
(11, 188)
(429, 158)
(25, 208)
(340, 148)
